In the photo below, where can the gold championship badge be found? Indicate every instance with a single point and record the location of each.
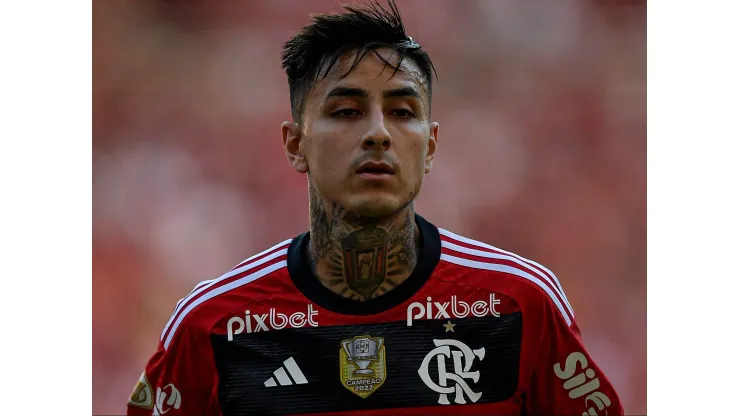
(362, 364)
(142, 394)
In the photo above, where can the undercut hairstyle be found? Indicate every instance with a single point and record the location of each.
(313, 52)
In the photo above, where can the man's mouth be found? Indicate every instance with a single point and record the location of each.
(375, 168)
(375, 171)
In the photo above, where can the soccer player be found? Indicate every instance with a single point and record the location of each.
(375, 310)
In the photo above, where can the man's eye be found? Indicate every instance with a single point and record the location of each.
(403, 113)
(345, 113)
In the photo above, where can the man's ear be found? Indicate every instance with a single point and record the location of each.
(292, 146)
(431, 146)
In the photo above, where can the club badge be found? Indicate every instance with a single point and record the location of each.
(362, 364)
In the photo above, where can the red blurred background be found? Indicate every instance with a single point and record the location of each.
(542, 152)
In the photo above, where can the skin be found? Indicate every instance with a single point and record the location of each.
(364, 241)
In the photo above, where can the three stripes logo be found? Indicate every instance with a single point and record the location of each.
(281, 375)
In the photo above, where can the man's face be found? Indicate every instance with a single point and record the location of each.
(366, 139)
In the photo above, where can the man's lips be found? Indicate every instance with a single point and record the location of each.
(375, 168)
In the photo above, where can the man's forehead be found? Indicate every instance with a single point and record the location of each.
(371, 73)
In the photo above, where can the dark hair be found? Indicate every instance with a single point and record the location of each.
(315, 49)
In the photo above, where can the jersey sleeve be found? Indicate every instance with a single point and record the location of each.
(179, 377)
(566, 381)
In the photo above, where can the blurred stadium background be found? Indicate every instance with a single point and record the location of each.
(542, 118)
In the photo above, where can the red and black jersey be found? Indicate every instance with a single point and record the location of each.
(473, 330)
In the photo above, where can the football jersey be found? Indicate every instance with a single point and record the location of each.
(473, 330)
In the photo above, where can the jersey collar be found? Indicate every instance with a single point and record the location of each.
(305, 281)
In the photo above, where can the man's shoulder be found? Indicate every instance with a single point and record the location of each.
(521, 278)
(277, 251)
(205, 304)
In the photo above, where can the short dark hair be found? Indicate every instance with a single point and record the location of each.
(315, 49)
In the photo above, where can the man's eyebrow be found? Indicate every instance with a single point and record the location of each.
(359, 92)
(346, 92)
(402, 92)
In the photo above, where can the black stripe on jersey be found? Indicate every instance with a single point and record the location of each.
(247, 362)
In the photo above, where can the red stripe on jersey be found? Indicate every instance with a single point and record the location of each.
(511, 261)
(285, 244)
(246, 269)
(508, 262)
(474, 257)
(494, 250)
(257, 257)
(491, 249)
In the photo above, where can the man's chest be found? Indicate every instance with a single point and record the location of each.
(445, 355)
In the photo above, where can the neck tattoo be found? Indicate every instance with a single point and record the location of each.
(361, 258)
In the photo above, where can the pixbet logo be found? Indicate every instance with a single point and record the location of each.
(577, 385)
(458, 309)
(270, 320)
(452, 382)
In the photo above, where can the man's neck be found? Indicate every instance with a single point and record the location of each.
(361, 258)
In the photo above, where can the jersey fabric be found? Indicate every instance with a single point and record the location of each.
(473, 330)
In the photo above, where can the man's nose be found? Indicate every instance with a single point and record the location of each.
(377, 135)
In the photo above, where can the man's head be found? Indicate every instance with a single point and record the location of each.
(360, 92)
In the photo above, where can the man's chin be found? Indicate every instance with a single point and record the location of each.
(375, 207)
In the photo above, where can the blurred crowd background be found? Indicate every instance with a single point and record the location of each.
(542, 151)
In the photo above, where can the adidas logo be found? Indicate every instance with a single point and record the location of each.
(282, 376)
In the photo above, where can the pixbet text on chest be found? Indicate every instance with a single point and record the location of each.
(254, 322)
(452, 308)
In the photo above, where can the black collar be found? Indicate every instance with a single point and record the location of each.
(304, 279)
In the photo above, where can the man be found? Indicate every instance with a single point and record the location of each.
(375, 310)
